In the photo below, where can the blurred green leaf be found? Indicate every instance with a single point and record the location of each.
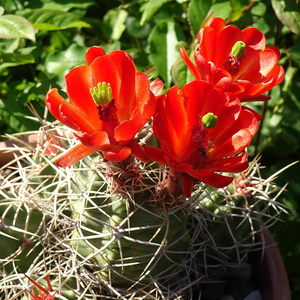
(59, 63)
(13, 114)
(11, 45)
(294, 96)
(116, 45)
(288, 79)
(163, 43)
(179, 72)
(1, 10)
(50, 19)
(222, 9)
(288, 12)
(197, 12)
(114, 24)
(10, 6)
(259, 9)
(238, 8)
(150, 8)
(135, 29)
(59, 40)
(19, 57)
(59, 5)
(13, 105)
(12, 27)
(294, 51)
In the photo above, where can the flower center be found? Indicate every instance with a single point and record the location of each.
(102, 96)
(233, 62)
(108, 112)
(201, 139)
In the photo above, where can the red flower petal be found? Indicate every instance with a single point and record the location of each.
(254, 38)
(193, 69)
(118, 69)
(207, 37)
(138, 151)
(74, 155)
(145, 99)
(67, 113)
(156, 154)
(187, 184)
(79, 81)
(125, 131)
(117, 154)
(254, 74)
(227, 38)
(230, 164)
(92, 53)
(97, 140)
(216, 180)
(174, 126)
(156, 87)
(218, 24)
(133, 105)
(236, 138)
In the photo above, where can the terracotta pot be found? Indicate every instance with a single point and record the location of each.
(270, 272)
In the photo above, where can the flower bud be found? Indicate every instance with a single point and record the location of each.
(102, 93)
(238, 49)
(209, 120)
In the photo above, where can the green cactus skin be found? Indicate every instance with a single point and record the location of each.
(121, 239)
(232, 226)
(21, 228)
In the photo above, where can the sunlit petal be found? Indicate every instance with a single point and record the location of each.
(74, 155)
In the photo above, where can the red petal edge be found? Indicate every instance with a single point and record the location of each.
(92, 53)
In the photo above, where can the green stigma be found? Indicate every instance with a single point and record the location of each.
(209, 120)
(238, 49)
(102, 93)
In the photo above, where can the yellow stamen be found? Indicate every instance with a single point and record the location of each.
(102, 93)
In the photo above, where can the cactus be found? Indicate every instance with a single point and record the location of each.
(124, 234)
(96, 220)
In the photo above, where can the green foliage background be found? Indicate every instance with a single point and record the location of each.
(40, 40)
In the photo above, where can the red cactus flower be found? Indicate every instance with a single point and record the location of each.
(202, 131)
(235, 60)
(109, 102)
